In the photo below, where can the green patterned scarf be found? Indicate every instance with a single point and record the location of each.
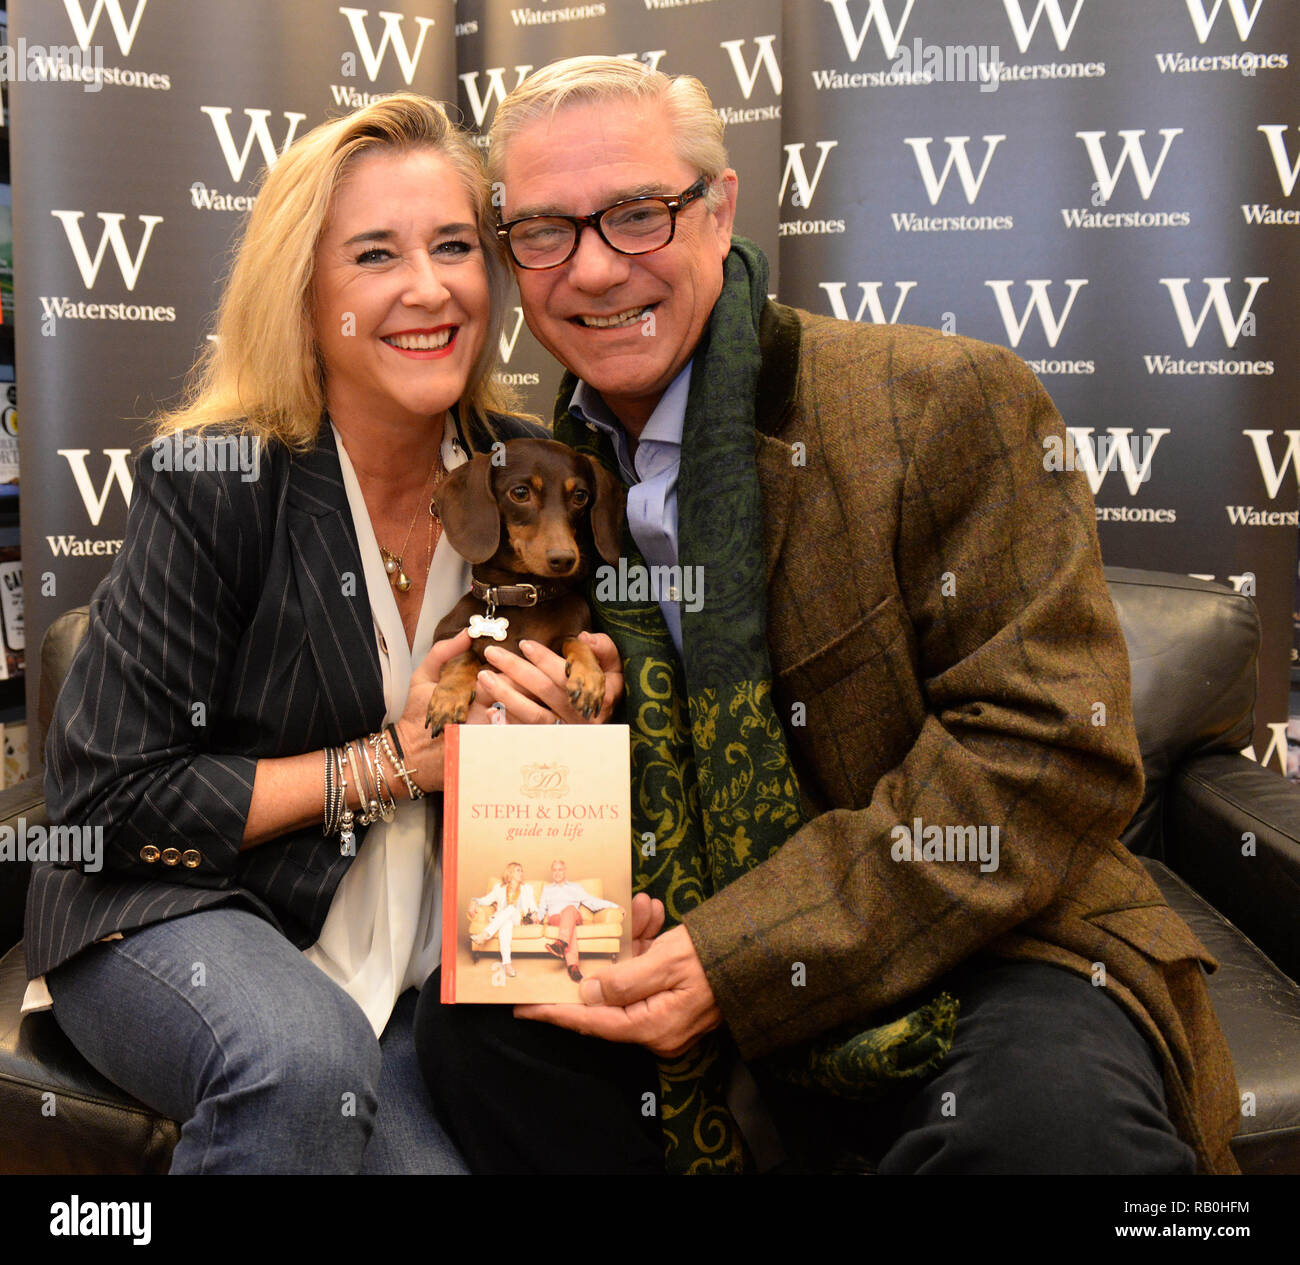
(713, 786)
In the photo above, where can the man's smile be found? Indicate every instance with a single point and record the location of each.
(628, 316)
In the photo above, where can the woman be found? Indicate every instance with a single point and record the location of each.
(257, 669)
(514, 903)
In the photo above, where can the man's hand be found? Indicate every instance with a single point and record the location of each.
(534, 688)
(660, 999)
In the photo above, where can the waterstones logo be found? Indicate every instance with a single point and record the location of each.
(35, 63)
(393, 35)
(803, 188)
(507, 340)
(129, 264)
(1287, 174)
(124, 32)
(1273, 473)
(946, 843)
(1132, 154)
(94, 500)
(936, 182)
(636, 583)
(1243, 18)
(877, 15)
(568, 13)
(869, 303)
(1204, 21)
(1039, 303)
(764, 59)
(1118, 449)
(1051, 9)
(496, 92)
(1232, 326)
(256, 131)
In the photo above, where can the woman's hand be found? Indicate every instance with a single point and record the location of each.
(424, 755)
(534, 688)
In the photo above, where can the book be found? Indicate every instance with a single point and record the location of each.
(536, 859)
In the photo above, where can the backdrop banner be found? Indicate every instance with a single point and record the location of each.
(1104, 187)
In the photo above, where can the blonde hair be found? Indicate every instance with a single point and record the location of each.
(264, 372)
(513, 886)
(696, 127)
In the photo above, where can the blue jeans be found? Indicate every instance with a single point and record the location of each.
(218, 1022)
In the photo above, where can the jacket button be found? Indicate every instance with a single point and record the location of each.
(149, 853)
(191, 858)
(170, 856)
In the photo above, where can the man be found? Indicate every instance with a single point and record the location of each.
(905, 639)
(561, 906)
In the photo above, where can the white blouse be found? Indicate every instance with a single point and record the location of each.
(383, 932)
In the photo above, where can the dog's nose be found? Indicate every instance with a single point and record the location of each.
(561, 560)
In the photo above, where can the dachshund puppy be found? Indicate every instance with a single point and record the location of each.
(528, 519)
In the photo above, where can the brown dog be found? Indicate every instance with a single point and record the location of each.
(527, 518)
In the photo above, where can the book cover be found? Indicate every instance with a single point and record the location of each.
(536, 859)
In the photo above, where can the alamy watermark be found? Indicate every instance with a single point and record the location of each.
(82, 845)
(221, 453)
(39, 63)
(946, 843)
(635, 583)
(950, 63)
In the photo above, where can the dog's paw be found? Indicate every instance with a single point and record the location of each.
(586, 688)
(446, 707)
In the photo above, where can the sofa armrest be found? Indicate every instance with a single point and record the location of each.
(1232, 830)
(26, 800)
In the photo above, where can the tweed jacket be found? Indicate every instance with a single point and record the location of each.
(234, 624)
(937, 604)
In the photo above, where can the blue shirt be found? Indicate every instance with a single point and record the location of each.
(651, 476)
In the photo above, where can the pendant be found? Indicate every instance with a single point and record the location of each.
(481, 626)
(403, 582)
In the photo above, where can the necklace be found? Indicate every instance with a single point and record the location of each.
(393, 561)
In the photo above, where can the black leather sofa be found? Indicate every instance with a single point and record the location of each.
(1220, 834)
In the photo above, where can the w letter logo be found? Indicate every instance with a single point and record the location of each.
(1132, 152)
(957, 157)
(1038, 302)
(110, 235)
(1024, 31)
(237, 159)
(1216, 298)
(373, 58)
(804, 188)
(1204, 22)
(746, 76)
(890, 36)
(85, 27)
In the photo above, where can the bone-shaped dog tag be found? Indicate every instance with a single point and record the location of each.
(483, 626)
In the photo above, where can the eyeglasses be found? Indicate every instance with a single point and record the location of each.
(635, 226)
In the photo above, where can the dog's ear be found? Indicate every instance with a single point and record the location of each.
(607, 512)
(468, 510)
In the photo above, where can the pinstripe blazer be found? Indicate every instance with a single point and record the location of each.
(233, 625)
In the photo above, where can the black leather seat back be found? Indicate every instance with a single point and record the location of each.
(1192, 650)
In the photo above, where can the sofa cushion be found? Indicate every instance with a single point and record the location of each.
(61, 1116)
(1192, 647)
(1259, 1010)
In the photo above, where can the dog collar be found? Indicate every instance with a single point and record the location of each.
(515, 594)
